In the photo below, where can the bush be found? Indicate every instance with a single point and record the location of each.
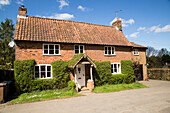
(71, 85)
(60, 74)
(24, 73)
(102, 73)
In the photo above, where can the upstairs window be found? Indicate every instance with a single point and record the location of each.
(115, 68)
(79, 49)
(51, 49)
(42, 71)
(109, 50)
(136, 52)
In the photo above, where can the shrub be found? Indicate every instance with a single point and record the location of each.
(24, 73)
(102, 73)
(60, 74)
(71, 85)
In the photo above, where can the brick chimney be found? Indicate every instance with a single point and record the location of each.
(117, 24)
(22, 11)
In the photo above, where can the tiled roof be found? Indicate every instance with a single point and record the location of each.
(137, 45)
(64, 31)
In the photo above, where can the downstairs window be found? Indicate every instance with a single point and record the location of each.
(42, 71)
(115, 68)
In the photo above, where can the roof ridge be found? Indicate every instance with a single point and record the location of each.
(72, 21)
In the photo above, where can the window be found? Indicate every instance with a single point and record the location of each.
(136, 52)
(115, 68)
(51, 49)
(42, 71)
(79, 49)
(109, 50)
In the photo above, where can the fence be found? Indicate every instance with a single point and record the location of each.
(7, 75)
(159, 73)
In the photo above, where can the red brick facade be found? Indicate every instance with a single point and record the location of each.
(34, 50)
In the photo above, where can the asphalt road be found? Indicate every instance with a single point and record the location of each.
(155, 99)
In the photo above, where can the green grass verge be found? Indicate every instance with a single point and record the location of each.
(44, 95)
(117, 87)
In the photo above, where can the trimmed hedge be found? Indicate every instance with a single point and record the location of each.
(102, 74)
(24, 76)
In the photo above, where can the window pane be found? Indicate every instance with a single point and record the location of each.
(42, 68)
(43, 75)
(48, 74)
(113, 50)
(81, 51)
(51, 47)
(112, 70)
(105, 50)
(45, 51)
(37, 74)
(56, 51)
(109, 50)
(48, 68)
(118, 67)
(81, 47)
(51, 51)
(36, 68)
(45, 46)
(76, 47)
(76, 51)
(56, 47)
(115, 68)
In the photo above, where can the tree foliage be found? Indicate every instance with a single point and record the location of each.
(6, 36)
(157, 58)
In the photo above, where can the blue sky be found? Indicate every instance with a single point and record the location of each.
(146, 22)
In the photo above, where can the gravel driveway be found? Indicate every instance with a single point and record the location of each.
(155, 99)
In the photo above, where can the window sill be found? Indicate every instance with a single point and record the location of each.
(110, 55)
(52, 55)
(42, 78)
(136, 54)
(116, 73)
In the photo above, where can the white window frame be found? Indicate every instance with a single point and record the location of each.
(111, 51)
(78, 48)
(45, 71)
(136, 50)
(118, 69)
(54, 49)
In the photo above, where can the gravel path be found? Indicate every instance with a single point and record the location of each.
(155, 99)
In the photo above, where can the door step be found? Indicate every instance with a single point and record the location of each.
(84, 89)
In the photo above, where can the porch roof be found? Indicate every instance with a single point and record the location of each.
(77, 58)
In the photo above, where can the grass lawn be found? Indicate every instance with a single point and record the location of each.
(44, 95)
(117, 87)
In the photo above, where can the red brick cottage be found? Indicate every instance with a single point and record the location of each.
(48, 40)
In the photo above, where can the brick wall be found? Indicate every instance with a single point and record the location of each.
(142, 60)
(159, 73)
(33, 50)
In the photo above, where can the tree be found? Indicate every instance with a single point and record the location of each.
(151, 52)
(6, 36)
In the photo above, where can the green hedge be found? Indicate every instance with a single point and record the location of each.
(24, 76)
(24, 73)
(102, 74)
(60, 73)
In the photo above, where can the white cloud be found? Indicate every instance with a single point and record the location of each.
(59, 16)
(153, 28)
(20, 2)
(62, 3)
(125, 23)
(134, 35)
(163, 29)
(81, 8)
(141, 29)
(4, 2)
